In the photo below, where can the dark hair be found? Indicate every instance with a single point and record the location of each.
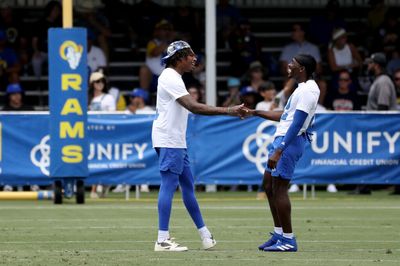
(267, 85)
(179, 55)
(91, 89)
(308, 62)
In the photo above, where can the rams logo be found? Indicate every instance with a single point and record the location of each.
(72, 53)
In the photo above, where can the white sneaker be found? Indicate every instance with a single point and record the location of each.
(331, 188)
(169, 245)
(99, 189)
(119, 189)
(208, 243)
(294, 188)
(144, 188)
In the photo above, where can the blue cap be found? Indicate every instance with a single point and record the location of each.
(14, 88)
(175, 47)
(138, 92)
(233, 82)
(247, 90)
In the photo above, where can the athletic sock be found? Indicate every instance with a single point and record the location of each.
(162, 236)
(288, 235)
(278, 230)
(204, 232)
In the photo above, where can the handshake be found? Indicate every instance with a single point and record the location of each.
(240, 111)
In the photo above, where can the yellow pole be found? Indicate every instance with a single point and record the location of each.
(26, 195)
(67, 13)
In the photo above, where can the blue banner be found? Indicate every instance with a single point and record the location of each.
(68, 102)
(348, 148)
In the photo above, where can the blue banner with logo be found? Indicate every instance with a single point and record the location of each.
(68, 102)
(349, 148)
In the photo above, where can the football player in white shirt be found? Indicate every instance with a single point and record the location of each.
(169, 140)
(288, 146)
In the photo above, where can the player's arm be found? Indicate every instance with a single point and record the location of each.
(269, 115)
(202, 109)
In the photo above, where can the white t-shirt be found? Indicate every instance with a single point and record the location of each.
(304, 98)
(169, 127)
(264, 106)
(96, 58)
(103, 102)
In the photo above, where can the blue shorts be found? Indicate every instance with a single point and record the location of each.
(289, 158)
(172, 159)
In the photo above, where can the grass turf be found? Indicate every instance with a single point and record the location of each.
(331, 230)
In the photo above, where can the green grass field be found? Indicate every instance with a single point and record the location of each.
(331, 230)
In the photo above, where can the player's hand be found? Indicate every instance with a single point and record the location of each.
(273, 160)
(234, 110)
(246, 112)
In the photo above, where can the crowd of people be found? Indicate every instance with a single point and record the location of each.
(358, 66)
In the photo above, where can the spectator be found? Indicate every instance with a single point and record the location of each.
(90, 17)
(228, 17)
(245, 48)
(255, 75)
(233, 97)
(195, 92)
(99, 99)
(51, 19)
(343, 97)
(96, 58)
(156, 48)
(9, 65)
(138, 100)
(268, 92)
(15, 99)
(301, 46)
(381, 97)
(342, 54)
(387, 38)
(249, 96)
(376, 16)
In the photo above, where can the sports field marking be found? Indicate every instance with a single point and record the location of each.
(190, 241)
(178, 227)
(204, 207)
(135, 218)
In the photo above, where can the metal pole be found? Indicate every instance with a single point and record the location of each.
(304, 191)
(211, 40)
(67, 13)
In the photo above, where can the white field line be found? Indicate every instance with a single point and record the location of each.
(219, 208)
(22, 228)
(135, 218)
(191, 241)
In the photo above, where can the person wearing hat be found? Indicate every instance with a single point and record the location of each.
(233, 97)
(342, 55)
(99, 99)
(287, 148)
(148, 74)
(248, 96)
(169, 140)
(15, 99)
(382, 93)
(138, 99)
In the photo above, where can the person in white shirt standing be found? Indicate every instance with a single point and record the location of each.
(169, 140)
(288, 146)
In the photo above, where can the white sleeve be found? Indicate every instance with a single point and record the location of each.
(176, 88)
(306, 102)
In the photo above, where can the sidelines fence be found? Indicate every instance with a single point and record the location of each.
(349, 148)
